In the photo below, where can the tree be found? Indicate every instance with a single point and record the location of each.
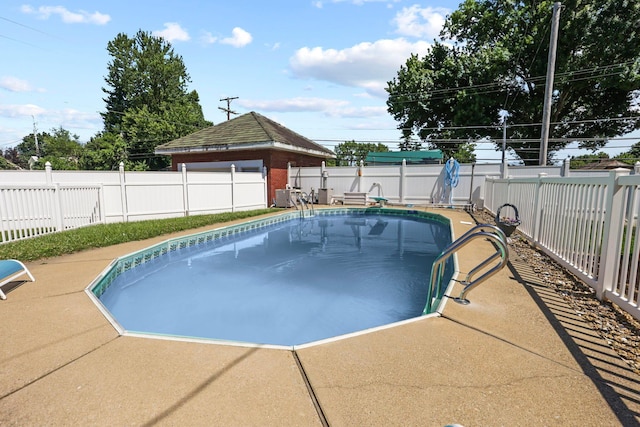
(147, 99)
(632, 156)
(28, 148)
(350, 153)
(5, 163)
(492, 59)
(105, 151)
(578, 162)
(13, 157)
(465, 153)
(60, 148)
(408, 144)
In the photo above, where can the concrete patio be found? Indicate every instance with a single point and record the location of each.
(517, 355)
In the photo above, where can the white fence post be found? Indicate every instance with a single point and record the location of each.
(489, 194)
(612, 238)
(360, 173)
(47, 173)
(266, 186)
(403, 179)
(566, 168)
(103, 216)
(185, 190)
(123, 193)
(504, 170)
(58, 207)
(233, 188)
(537, 215)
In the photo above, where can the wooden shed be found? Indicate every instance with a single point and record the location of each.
(250, 142)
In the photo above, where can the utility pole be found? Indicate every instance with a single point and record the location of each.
(228, 109)
(35, 136)
(548, 89)
(503, 171)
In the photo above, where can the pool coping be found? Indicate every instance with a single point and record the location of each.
(126, 262)
(518, 355)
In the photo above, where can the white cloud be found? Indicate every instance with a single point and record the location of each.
(73, 115)
(329, 107)
(299, 104)
(67, 16)
(319, 4)
(70, 118)
(366, 65)
(14, 84)
(239, 38)
(420, 22)
(208, 38)
(172, 32)
(360, 112)
(23, 110)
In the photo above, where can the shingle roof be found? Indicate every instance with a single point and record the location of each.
(249, 131)
(607, 164)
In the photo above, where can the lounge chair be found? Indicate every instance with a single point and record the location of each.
(11, 269)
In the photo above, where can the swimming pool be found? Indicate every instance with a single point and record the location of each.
(281, 281)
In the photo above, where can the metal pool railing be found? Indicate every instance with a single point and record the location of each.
(483, 231)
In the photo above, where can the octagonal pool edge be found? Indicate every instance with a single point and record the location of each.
(125, 263)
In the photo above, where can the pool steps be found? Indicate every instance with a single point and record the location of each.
(488, 231)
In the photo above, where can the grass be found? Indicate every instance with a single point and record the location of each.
(102, 235)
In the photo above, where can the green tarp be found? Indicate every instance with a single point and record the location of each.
(396, 157)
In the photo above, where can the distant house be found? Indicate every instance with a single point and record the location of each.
(424, 157)
(250, 142)
(607, 164)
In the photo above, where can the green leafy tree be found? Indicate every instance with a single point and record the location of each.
(6, 164)
(350, 153)
(13, 157)
(583, 160)
(58, 147)
(105, 151)
(408, 144)
(29, 148)
(632, 156)
(148, 102)
(465, 153)
(492, 59)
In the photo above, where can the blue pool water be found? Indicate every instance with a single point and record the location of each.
(286, 284)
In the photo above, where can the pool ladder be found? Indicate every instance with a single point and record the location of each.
(305, 201)
(481, 231)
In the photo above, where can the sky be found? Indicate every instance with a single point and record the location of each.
(318, 67)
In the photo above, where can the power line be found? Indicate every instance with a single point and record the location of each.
(28, 27)
(535, 56)
(492, 87)
(157, 119)
(19, 41)
(514, 125)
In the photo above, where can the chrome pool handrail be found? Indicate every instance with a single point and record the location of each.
(304, 200)
(487, 231)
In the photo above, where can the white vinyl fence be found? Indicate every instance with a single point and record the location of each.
(410, 184)
(30, 210)
(33, 203)
(589, 225)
